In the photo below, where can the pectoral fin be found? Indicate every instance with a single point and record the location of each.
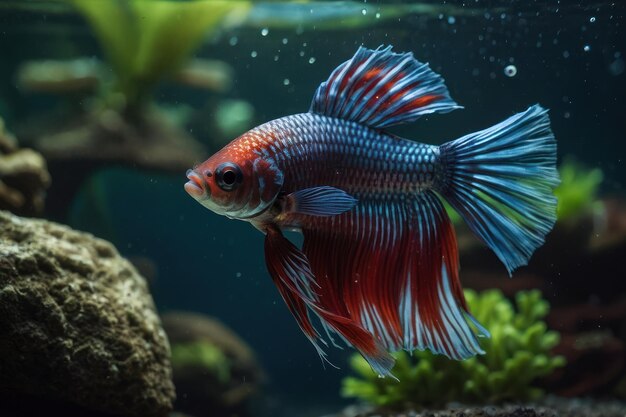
(318, 201)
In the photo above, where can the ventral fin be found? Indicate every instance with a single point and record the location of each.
(380, 88)
(318, 201)
(292, 276)
(291, 272)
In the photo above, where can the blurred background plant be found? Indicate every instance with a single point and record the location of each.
(577, 193)
(110, 116)
(202, 354)
(517, 355)
(216, 373)
(152, 39)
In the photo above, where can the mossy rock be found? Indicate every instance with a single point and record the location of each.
(78, 327)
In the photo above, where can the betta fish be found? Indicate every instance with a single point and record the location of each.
(378, 268)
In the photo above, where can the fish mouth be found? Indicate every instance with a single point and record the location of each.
(195, 185)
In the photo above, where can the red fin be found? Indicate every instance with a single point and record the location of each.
(393, 269)
(292, 275)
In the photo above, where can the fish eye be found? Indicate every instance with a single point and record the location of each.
(228, 176)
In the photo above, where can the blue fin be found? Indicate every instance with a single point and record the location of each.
(501, 181)
(380, 88)
(319, 201)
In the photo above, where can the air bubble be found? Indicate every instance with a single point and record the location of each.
(510, 71)
(285, 41)
(586, 48)
(253, 54)
(233, 41)
(286, 81)
(364, 12)
(312, 60)
(265, 31)
(377, 15)
(592, 19)
(451, 20)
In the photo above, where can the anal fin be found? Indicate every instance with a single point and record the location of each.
(392, 267)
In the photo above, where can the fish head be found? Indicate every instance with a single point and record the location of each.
(235, 184)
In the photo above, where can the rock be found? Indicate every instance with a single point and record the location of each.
(143, 140)
(138, 138)
(24, 177)
(77, 323)
(215, 372)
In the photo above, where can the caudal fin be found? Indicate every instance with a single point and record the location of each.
(501, 181)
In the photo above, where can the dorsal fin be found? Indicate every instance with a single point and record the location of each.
(380, 88)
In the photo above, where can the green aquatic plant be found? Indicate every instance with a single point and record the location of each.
(201, 354)
(577, 193)
(517, 354)
(146, 40)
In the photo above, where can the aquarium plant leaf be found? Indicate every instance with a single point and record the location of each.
(145, 40)
(118, 40)
(170, 31)
(578, 190)
(202, 355)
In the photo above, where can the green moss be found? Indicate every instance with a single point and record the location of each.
(517, 354)
(577, 192)
(202, 355)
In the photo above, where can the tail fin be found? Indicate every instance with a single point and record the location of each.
(501, 181)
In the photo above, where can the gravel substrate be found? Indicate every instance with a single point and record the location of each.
(550, 407)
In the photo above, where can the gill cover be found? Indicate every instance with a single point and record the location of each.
(267, 183)
(241, 188)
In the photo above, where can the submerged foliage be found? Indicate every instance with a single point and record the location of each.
(145, 40)
(578, 189)
(517, 353)
(204, 355)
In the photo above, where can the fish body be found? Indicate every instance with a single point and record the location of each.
(314, 150)
(379, 263)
